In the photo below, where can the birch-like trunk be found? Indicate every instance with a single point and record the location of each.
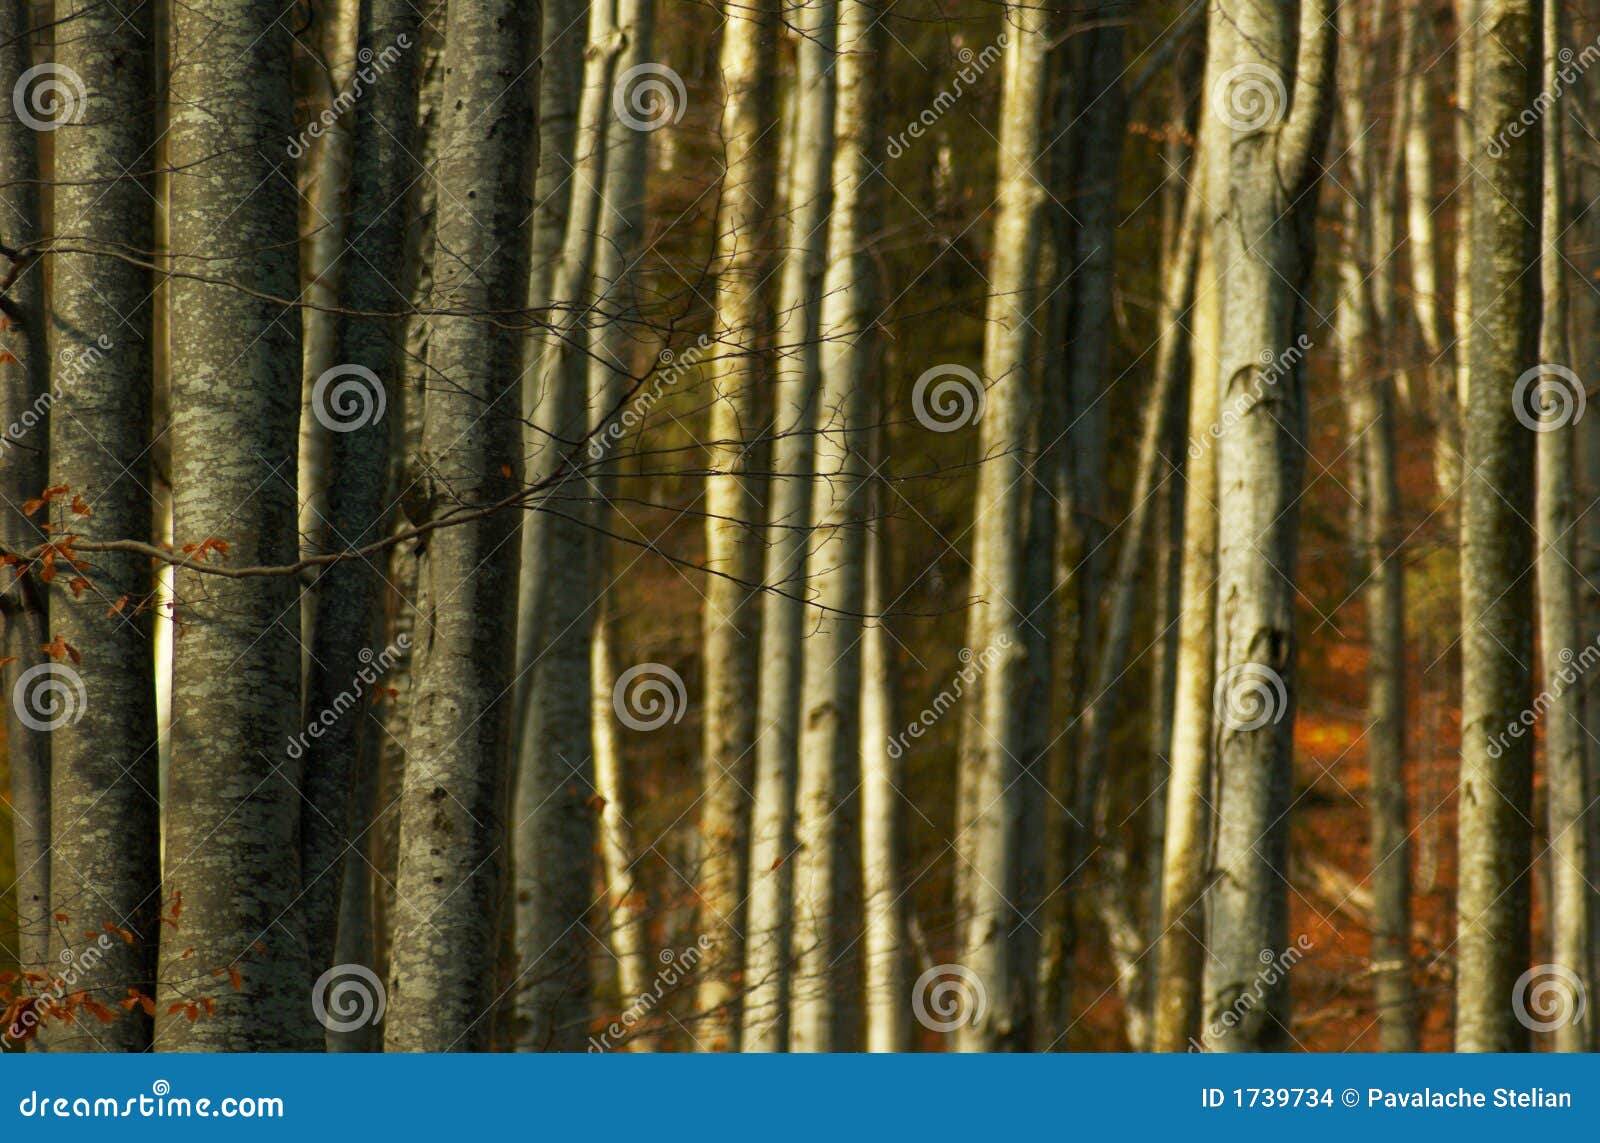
(1496, 800)
(825, 1011)
(783, 612)
(105, 828)
(1560, 627)
(1263, 247)
(235, 423)
(614, 342)
(991, 740)
(561, 67)
(555, 820)
(25, 398)
(360, 423)
(730, 621)
(883, 894)
(453, 835)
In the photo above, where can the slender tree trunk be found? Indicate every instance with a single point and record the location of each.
(236, 666)
(352, 400)
(453, 835)
(988, 795)
(103, 759)
(1370, 400)
(1496, 800)
(554, 810)
(1263, 247)
(783, 613)
(615, 339)
(1560, 628)
(1180, 953)
(826, 1010)
(561, 68)
(731, 617)
(882, 831)
(25, 399)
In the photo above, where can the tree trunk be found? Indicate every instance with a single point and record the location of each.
(555, 783)
(991, 742)
(1263, 247)
(453, 835)
(731, 618)
(25, 399)
(783, 612)
(1496, 798)
(826, 1009)
(103, 760)
(1560, 630)
(352, 400)
(236, 665)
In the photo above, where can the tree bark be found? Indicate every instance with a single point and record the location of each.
(1263, 247)
(236, 666)
(1493, 939)
(105, 829)
(991, 741)
(731, 618)
(453, 834)
(783, 612)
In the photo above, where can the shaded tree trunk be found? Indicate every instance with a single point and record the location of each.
(1493, 938)
(453, 835)
(235, 424)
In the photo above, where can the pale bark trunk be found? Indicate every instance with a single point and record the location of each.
(731, 617)
(1184, 860)
(235, 421)
(561, 68)
(1263, 247)
(882, 779)
(555, 821)
(105, 829)
(453, 835)
(24, 399)
(783, 615)
(1560, 630)
(610, 368)
(827, 874)
(1493, 939)
(991, 741)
